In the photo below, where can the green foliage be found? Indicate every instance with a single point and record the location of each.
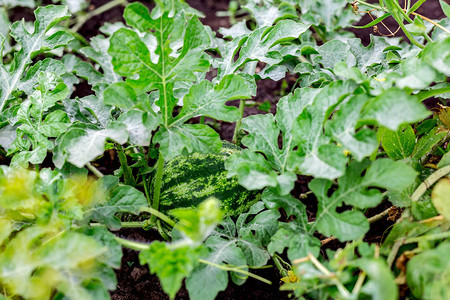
(164, 69)
(123, 198)
(308, 128)
(427, 273)
(38, 119)
(327, 17)
(398, 144)
(265, 44)
(176, 261)
(171, 265)
(351, 136)
(242, 243)
(44, 241)
(32, 44)
(357, 191)
(334, 278)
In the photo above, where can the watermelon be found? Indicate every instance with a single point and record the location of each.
(189, 180)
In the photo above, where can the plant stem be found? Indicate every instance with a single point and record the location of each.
(372, 6)
(127, 174)
(358, 284)
(156, 213)
(131, 244)
(157, 187)
(122, 224)
(424, 186)
(234, 269)
(408, 5)
(277, 263)
(403, 12)
(282, 261)
(249, 68)
(94, 170)
(438, 218)
(409, 36)
(342, 289)
(202, 120)
(429, 40)
(327, 240)
(132, 224)
(393, 253)
(99, 10)
(147, 193)
(239, 122)
(379, 216)
(432, 22)
(161, 231)
(319, 33)
(431, 93)
(430, 237)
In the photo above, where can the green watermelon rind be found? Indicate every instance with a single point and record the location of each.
(189, 180)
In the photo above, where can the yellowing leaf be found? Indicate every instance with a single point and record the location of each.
(444, 115)
(17, 192)
(441, 197)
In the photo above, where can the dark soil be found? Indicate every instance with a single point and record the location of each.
(431, 9)
(134, 280)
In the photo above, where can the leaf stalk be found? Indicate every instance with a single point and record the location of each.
(234, 269)
(98, 11)
(424, 186)
(127, 174)
(157, 187)
(131, 244)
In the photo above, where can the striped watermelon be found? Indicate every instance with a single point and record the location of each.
(189, 180)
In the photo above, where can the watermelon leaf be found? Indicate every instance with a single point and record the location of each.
(131, 57)
(300, 117)
(173, 262)
(171, 265)
(221, 251)
(187, 138)
(163, 70)
(139, 126)
(425, 272)
(36, 123)
(445, 8)
(97, 51)
(82, 144)
(124, 198)
(32, 44)
(393, 108)
(241, 243)
(381, 283)
(398, 144)
(357, 191)
(49, 251)
(207, 100)
(293, 235)
(344, 127)
(262, 45)
(63, 256)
